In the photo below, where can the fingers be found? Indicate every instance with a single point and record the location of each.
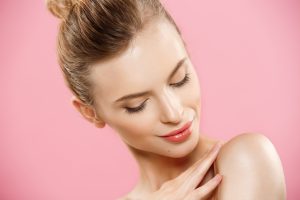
(192, 177)
(205, 190)
(184, 185)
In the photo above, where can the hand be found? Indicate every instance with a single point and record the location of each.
(183, 186)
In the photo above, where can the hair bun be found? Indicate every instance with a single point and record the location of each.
(60, 8)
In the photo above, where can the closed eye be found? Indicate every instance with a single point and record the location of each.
(136, 109)
(175, 85)
(182, 82)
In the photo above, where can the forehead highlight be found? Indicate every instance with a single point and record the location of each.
(143, 57)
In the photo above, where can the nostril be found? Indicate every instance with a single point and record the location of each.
(171, 115)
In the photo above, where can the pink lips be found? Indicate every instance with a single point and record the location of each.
(179, 135)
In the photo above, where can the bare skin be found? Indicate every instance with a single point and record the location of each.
(171, 102)
(207, 177)
(249, 166)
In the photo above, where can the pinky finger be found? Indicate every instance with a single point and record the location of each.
(205, 190)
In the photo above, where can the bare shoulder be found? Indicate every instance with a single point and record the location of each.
(251, 169)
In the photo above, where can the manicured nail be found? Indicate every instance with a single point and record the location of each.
(217, 146)
(219, 177)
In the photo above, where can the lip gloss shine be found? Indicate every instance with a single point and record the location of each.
(180, 137)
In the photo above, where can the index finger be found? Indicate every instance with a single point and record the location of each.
(193, 175)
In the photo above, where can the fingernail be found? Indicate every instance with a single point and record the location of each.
(217, 146)
(219, 177)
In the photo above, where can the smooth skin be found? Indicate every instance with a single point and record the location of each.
(185, 185)
(248, 163)
(251, 169)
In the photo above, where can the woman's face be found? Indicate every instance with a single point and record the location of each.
(149, 90)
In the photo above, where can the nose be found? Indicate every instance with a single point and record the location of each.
(171, 108)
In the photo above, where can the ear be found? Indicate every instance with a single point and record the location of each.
(87, 112)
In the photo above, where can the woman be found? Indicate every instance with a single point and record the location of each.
(127, 66)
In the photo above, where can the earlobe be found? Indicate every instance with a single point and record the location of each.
(99, 124)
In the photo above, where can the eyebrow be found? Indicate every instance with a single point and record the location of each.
(139, 94)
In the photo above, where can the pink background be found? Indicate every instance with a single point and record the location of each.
(247, 54)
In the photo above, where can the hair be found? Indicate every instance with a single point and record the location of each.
(95, 30)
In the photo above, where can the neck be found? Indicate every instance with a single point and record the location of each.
(156, 169)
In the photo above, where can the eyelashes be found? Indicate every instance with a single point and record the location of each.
(136, 109)
(183, 82)
(175, 85)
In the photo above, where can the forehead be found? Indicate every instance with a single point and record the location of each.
(149, 60)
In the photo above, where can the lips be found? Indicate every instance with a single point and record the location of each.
(175, 132)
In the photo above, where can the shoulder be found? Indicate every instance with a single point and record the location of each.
(248, 145)
(251, 169)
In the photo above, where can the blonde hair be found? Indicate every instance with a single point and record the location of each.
(94, 30)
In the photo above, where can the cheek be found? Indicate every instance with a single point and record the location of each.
(132, 126)
(192, 94)
(192, 91)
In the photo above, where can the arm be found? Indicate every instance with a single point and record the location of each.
(251, 169)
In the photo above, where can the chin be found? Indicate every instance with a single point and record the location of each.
(184, 149)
